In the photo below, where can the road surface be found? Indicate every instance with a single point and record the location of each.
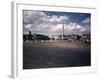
(56, 54)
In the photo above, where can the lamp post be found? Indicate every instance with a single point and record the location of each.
(30, 35)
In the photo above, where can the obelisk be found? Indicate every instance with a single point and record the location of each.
(62, 31)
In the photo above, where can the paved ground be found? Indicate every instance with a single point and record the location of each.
(55, 54)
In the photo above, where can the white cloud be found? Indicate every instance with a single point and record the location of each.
(53, 19)
(85, 21)
(28, 26)
(63, 18)
(56, 28)
(74, 28)
(39, 22)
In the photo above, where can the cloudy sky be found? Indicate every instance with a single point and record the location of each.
(50, 23)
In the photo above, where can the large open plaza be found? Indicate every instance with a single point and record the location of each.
(56, 54)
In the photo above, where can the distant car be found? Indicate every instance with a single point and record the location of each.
(87, 40)
(70, 40)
